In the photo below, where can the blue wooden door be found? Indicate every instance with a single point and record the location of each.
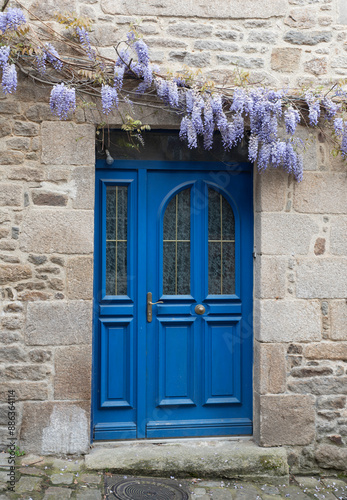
(184, 233)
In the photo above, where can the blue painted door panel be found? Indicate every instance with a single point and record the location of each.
(184, 373)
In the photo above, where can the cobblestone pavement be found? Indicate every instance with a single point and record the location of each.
(60, 479)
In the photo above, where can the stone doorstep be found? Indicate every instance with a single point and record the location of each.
(210, 458)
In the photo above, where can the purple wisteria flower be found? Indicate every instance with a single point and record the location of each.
(53, 57)
(9, 79)
(344, 143)
(313, 108)
(4, 55)
(118, 77)
(291, 119)
(109, 98)
(11, 20)
(62, 101)
(141, 50)
(83, 36)
(330, 107)
(338, 127)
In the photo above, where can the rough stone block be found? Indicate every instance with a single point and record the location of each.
(26, 174)
(65, 143)
(14, 272)
(284, 233)
(53, 428)
(312, 38)
(11, 195)
(285, 60)
(321, 193)
(11, 157)
(19, 143)
(25, 372)
(80, 278)
(84, 179)
(321, 278)
(338, 312)
(319, 386)
(270, 277)
(216, 45)
(268, 37)
(72, 373)
(342, 11)
(44, 10)
(234, 9)
(286, 420)
(49, 199)
(300, 19)
(198, 60)
(26, 129)
(317, 66)
(338, 236)
(331, 457)
(240, 61)
(327, 350)
(269, 368)
(190, 30)
(59, 323)
(287, 321)
(271, 189)
(57, 231)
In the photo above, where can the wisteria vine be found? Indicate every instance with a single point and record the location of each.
(269, 117)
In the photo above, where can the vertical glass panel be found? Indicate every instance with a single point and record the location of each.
(221, 245)
(116, 239)
(176, 245)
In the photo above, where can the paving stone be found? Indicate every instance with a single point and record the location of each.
(28, 484)
(91, 478)
(270, 490)
(68, 465)
(293, 491)
(307, 481)
(221, 494)
(57, 494)
(62, 478)
(89, 495)
(32, 471)
(247, 491)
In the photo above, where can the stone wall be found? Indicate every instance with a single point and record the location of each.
(280, 42)
(46, 230)
(300, 373)
(46, 262)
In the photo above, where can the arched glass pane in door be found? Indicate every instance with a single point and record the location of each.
(176, 245)
(221, 245)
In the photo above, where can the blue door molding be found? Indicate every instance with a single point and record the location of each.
(183, 374)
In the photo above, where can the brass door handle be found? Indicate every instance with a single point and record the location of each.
(149, 306)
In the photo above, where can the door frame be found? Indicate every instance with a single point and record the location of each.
(219, 174)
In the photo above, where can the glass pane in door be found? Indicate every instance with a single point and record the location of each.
(116, 240)
(221, 245)
(176, 245)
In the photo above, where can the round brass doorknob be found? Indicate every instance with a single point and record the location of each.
(199, 309)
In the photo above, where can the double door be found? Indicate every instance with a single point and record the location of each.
(173, 301)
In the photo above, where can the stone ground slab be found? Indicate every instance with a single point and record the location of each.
(82, 484)
(208, 458)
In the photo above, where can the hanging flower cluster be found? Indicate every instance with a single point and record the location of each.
(51, 55)
(270, 117)
(62, 101)
(11, 20)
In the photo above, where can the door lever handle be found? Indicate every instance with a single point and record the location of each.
(149, 306)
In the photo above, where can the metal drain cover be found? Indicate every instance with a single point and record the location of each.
(141, 488)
